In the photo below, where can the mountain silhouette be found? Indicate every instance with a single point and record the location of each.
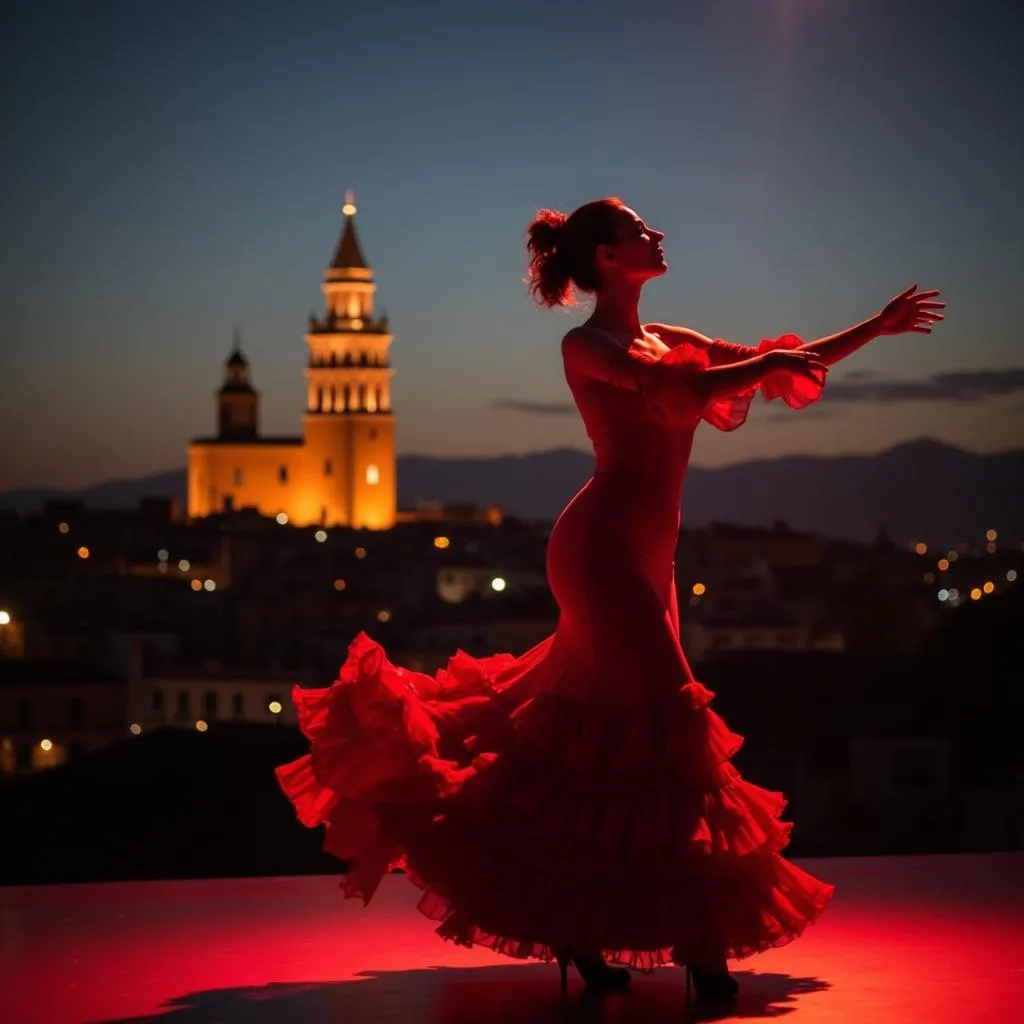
(919, 490)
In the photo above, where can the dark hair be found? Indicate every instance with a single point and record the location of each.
(562, 249)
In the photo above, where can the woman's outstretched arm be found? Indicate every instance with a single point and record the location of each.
(909, 312)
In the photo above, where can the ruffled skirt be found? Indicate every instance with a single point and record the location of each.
(534, 819)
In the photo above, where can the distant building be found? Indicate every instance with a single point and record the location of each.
(198, 700)
(341, 472)
(53, 711)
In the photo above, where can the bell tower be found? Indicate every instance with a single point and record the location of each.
(349, 423)
(237, 399)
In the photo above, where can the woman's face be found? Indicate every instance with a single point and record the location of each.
(637, 255)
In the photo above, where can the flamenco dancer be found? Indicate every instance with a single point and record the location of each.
(578, 802)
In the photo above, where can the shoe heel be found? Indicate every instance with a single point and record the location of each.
(563, 968)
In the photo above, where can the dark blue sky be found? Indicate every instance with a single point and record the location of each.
(172, 170)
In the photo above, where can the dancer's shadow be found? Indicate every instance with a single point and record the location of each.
(473, 995)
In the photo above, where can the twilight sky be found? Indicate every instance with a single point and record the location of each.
(173, 170)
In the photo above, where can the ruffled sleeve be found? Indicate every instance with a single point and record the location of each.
(730, 412)
(795, 390)
(665, 382)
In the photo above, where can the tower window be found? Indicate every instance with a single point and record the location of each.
(282, 474)
(373, 474)
(328, 467)
(238, 476)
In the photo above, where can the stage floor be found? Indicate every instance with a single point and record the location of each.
(907, 939)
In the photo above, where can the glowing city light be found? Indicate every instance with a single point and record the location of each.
(943, 564)
(340, 584)
(921, 548)
(196, 585)
(162, 555)
(63, 527)
(698, 589)
(46, 744)
(498, 584)
(1011, 575)
(83, 552)
(976, 594)
(360, 552)
(320, 536)
(5, 618)
(441, 542)
(282, 518)
(943, 594)
(135, 729)
(954, 594)
(952, 556)
(274, 707)
(991, 536)
(209, 586)
(383, 615)
(989, 587)
(184, 565)
(201, 726)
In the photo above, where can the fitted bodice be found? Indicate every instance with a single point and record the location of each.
(632, 446)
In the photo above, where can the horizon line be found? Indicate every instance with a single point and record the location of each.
(107, 481)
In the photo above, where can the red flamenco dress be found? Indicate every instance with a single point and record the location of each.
(580, 796)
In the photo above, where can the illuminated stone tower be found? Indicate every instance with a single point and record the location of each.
(341, 472)
(349, 426)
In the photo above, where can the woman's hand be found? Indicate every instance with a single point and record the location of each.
(911, 311)
(801, 362)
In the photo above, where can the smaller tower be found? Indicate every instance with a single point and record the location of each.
(237, 399)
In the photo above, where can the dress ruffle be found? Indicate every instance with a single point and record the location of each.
(534, 820)
(731, 412)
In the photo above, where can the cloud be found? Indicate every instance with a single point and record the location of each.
(859, 386)
(955, 386)
(535, 408)
(810, 412)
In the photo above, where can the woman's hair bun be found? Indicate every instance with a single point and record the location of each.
(549, 275)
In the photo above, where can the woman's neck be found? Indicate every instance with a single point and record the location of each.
(616, 311)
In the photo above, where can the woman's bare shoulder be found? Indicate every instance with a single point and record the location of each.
(673, 335)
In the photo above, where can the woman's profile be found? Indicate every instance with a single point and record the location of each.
(578, 802)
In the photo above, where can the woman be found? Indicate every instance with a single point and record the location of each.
(578, 802)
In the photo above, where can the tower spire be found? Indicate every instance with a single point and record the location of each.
(348, 254)
(236, 357)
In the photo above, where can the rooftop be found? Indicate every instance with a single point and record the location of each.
(914, 939)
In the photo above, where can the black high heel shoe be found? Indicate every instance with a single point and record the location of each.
(716, 986)
(596, 974)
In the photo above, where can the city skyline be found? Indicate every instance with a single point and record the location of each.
(174, 177)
